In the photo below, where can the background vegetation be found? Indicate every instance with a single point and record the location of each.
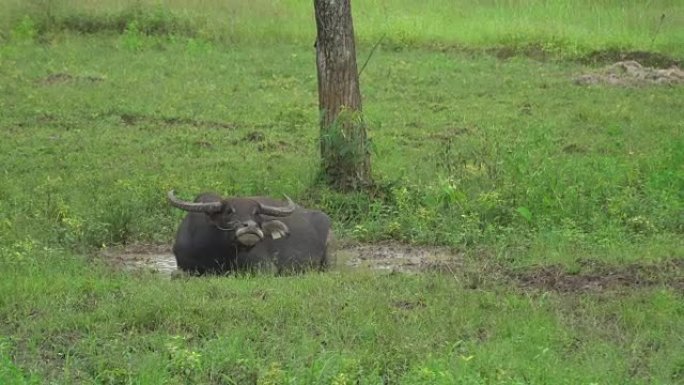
(554, 26)
(482, 143)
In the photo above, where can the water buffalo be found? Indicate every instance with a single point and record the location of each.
(221, 235)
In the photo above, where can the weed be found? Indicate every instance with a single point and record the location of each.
(274, 375)
(346, 150)
(183, 362)
(9, 372)
(132, 37)
(25, 30)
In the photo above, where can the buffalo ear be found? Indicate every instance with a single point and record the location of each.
(276, 229)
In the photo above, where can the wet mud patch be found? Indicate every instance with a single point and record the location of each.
(386, 257)
(632, 73)
(395, 257)
(392, 257)
(596, 276)
(155, 258)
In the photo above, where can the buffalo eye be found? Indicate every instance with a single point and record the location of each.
(224, 220)
(232, 225)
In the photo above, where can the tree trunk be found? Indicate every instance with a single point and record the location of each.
(345, 149)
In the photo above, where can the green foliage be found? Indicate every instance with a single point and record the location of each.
(488, 163)
(50, 17)
(184, 362)
(25, 30)
(9, 372)
(334, 328)
(538, 27)
(132, 37)
(346, 151)
(348, 147)
(505, 160)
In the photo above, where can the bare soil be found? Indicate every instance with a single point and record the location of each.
(392, 257)
(651, 59)
(396, 257)
(157, 258)
(63, 77)
(388, 257)
(598, 276)
(632, 73)
(595, 58)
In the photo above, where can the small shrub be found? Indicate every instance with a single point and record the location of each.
(25, 31)
(274, 375)
(183, 361)
(132, 38)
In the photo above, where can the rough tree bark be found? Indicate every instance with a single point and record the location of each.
(345, 150)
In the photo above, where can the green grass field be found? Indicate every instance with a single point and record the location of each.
(559, 27)
(482, 142)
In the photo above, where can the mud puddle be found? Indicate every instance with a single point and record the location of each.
(395, 257)
(392, 257)
(386, 257)
(632, 73)
(157, 258)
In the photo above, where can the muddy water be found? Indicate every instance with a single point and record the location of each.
(388, 257)
(142, 257)
(394, 257)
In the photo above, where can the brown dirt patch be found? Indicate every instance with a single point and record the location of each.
(129, 119)
(387, 257)
(533, 51)
(632, 73)
(392, 257)
(63, 77)
(602, 277)
(157, 258)
(651, 59)
(396, 257)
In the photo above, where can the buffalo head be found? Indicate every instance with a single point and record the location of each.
(247, 219)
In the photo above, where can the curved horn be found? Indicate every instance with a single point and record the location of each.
(278, 211)
(195, 207)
